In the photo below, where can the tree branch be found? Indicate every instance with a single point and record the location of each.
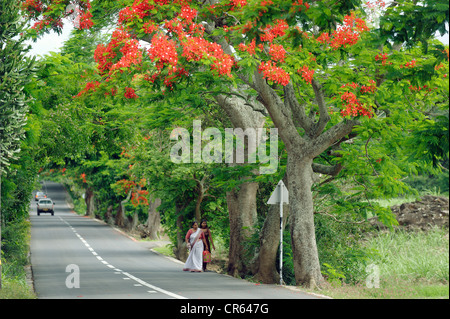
(324, 117)
(298, 110)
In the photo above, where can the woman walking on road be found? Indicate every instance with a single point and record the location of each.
(208, 237)
(195, 239)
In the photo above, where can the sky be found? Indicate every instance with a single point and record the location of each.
(50, 42)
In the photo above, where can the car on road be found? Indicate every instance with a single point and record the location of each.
(45, 205)
(39, 195)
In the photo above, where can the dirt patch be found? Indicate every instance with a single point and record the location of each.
(424, 214)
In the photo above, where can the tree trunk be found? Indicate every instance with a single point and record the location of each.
(264, 266)
(89, 199)
(242, 200)
(121, 219)
(154, 219)
(304, 247)
(242, 215)
(202, 190)
(180, 250)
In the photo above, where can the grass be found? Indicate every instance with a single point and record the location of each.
(16, 288)
(413, 256)
(410, 265)
(14, 282)
(165, 250)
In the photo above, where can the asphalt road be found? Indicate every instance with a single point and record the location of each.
(75, 257)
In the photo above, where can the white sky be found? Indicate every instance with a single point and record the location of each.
(50, 42)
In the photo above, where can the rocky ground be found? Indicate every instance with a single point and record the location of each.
(430, 211)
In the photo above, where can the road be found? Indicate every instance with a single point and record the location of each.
(75, 257)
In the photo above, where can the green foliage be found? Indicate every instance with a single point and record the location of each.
(340, 247)
(410, 22)
(333, 276)
(15, 72)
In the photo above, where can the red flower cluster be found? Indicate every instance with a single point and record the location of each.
(419, 88)
(274, 73)
(353, 107)
(237, 4)
(440, 66)
(382, 58)
(277, 30)
(85, 20)
(266, 2)
(307, 74)
(32, 6)
(346, 35)
(324, 38)
(379, 3)
(299, 3)
(130, 93)
(89, 86)
(408, 65)
(137, 195)
(139, 9)
(149, 27)
(105, 56)
(187, 13)
(196, 49)
(249, 48)
(364, 88)
(371, 88)
(277, 52)
(163, 50)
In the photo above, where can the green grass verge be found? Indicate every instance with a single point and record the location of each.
(408, 265)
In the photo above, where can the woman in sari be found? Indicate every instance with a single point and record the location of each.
(208, 238)
(195, 238)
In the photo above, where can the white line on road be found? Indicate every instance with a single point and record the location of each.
(140, 282)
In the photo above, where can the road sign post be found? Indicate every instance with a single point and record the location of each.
(280, 195)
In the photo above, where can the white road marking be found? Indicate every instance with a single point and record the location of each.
(140, 282)
(154, 287)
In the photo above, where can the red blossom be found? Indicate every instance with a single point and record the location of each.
(237, 4)
(346, 35)
(274, 73)
(369, 88)
(324, 38)
(382, 58)
(188, 13)
(273, 31)
(409, 65)
(249, 48)
(85, 20)
(277, 52)
(130, 93)
(352, 107)
(89, 86)
(164, 50)
(196, 49)
(307, 74)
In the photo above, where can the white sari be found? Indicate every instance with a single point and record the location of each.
(194, 261)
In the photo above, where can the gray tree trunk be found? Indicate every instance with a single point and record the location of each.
(154, 219)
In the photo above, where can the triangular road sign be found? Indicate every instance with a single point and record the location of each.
(279, 192)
